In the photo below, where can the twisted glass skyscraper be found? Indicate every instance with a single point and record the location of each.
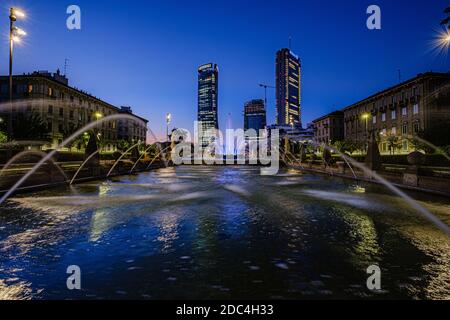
(207, 102)
(288, 88)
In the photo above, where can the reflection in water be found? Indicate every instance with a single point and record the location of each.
(221, 232)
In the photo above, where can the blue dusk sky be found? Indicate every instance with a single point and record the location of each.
(145, 54)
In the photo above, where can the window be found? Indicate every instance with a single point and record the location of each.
(60, 128)
(405, 145)
(50, 92)
(383, 132)
(394, 131)
(50, 109)
(416, 109)
(393, 114)
(416, 127)
(30, 88)
(71, 114)
(405, 129)
(49, 127)
(383, 117)
(61, 112)
(374, 119)
(404, 111)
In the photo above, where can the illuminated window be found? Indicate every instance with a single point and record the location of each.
(374, 119)
(394, 131)
(383, 117)
(416, 109)
(393, 114)
(50, 92)
(404, 111)
(30, 88)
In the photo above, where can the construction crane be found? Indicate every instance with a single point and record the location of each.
(265, 86)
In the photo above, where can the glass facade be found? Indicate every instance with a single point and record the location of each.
(255, 115)
(288, 88)
(207, 101)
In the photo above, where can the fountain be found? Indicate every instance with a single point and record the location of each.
(83, 164)
(371, 173)
(142, 155)
(414, 204)
(122, 156)
(159, 154)
(70, 139)
(32, 153)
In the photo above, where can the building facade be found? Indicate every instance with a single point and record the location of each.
(329, 128)
(401, 111)
(255, 115)
(131, 130)
(61, 109)
(288, 88)
(208, 90)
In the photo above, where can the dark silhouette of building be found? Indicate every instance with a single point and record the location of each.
(329, 128)
(63, 109)
(208, 76)
(255, 115)
(288, 88)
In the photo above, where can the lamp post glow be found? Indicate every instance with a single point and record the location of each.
(366, 116)
(168, 120)
(14, 36)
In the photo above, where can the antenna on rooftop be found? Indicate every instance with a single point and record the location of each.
(66, 64)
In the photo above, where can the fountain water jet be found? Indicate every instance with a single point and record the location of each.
(82, 165)
(63, 144)
(121, 157)
(35, 153)
(142, 155)
(427, 214)
(160, 153)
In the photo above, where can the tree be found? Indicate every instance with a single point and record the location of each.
(393, 143)
(3, 137)
(29, 127)
(123, 145)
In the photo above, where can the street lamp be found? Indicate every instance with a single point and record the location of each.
(366, 116)
(168, 120)
(15, 35)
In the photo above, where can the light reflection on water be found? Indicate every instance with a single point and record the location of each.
(221, 232)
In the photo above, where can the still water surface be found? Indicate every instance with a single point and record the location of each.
(221, 233)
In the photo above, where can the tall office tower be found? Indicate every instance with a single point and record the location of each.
(207, 101)
(255, 115)
(288, 88)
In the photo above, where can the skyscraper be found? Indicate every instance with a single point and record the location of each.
(208, 75)
(288, 88)
(255, 115)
